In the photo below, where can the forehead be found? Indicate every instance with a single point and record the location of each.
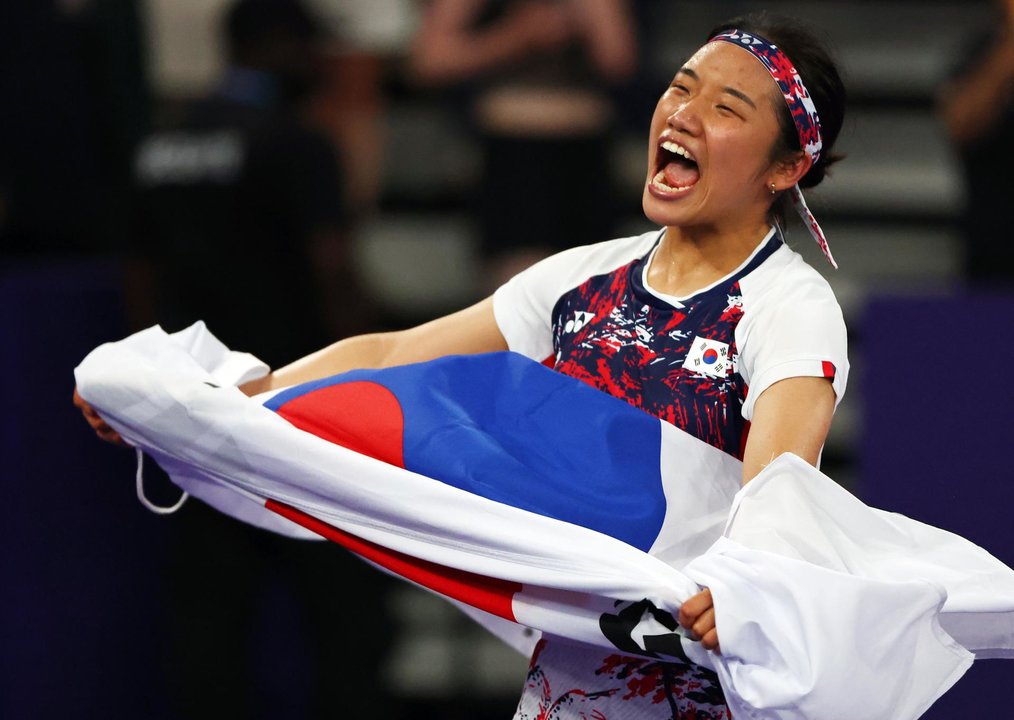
(725, 65)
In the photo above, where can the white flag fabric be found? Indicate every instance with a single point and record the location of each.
(538, 501)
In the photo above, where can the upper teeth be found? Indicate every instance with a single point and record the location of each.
(674, 148)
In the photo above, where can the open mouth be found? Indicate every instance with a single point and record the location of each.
(675, 168)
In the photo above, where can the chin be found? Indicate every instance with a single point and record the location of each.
(663, 213)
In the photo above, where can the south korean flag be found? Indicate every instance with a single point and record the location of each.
(708, 357)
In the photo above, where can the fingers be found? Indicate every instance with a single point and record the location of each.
(79, 401)
(709, 641)
(704, 629)
(100, 426)
(694, 606)
(103, 430)
(110, 436)
(698, 616)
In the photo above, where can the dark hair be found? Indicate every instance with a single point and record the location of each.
(819, 74)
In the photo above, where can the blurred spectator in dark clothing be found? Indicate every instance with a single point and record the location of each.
(240, 222)
(977, 105)
(539, 75)
(352, 102)
(73, 104)
(240, 210)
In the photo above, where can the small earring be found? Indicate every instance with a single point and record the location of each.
(773, 191)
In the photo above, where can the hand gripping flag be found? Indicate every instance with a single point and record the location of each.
(535, 501)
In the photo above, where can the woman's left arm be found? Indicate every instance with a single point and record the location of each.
(794, 416)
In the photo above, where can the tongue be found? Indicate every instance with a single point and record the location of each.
(681, 174)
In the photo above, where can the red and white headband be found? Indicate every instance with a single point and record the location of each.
(802, 109)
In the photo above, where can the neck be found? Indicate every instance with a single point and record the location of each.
(689, 259)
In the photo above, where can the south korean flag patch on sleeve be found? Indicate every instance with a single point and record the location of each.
(708, 357)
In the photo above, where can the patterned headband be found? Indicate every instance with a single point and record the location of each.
(801, 107)
(804, 112)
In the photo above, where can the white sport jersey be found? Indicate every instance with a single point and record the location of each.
(699, 362)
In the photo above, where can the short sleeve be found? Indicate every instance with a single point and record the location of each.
(798, 333)
(523, 307)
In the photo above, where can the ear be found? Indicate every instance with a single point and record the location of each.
(787, 172)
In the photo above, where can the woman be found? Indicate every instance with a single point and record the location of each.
(712, 323)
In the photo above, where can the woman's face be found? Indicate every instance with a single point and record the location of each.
(709, 151)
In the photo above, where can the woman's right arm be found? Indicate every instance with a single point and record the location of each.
(469, 331)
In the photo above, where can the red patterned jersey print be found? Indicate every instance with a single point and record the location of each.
(623, 688)
(616, 335)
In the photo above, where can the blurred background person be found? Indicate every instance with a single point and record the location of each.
(977, 106)
(75, 104)
(241, 222)
(351, 102)
(245, 181)
(536, 77)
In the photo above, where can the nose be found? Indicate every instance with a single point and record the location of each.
(685, 117)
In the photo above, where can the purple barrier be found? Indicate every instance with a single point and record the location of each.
(79, 638)
(935, 432)
(109, 611)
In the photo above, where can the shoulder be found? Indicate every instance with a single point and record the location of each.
(786, 291)
(785, 278)
(791, 326)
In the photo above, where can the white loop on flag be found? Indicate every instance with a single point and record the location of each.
(144, 500)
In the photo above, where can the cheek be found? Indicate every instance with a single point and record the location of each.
(740, 155)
